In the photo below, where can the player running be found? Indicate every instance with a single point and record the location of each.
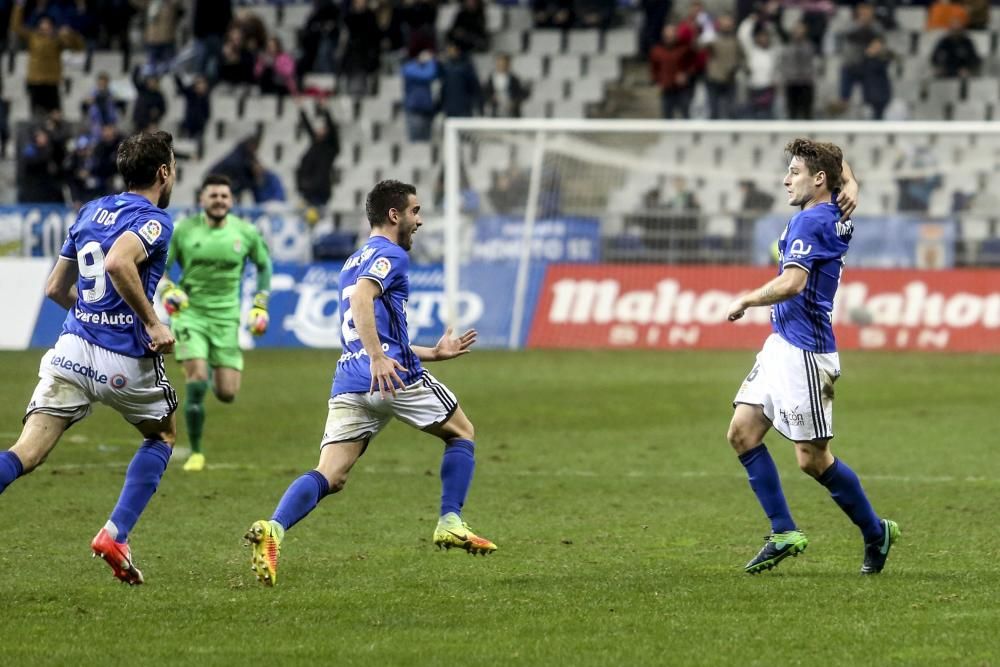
(112, 341)
(212, 249)
(791, 385)
(379, 376)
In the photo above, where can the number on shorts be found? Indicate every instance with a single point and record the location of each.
(349, 333)
(90, 263)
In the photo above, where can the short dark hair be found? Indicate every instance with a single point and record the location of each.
(216, 179)
(384, 196)
(141, 155)
(820, 156)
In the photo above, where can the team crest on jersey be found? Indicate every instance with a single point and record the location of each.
(237, 245)
(381, 267)
(151, 231)
(118, 381)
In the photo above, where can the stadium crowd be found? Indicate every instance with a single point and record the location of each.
(214, 47)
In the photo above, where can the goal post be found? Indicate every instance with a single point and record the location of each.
(608, 233)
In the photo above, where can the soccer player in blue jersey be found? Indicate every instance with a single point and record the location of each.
(379, 376)
(791, 385)
(110, 350)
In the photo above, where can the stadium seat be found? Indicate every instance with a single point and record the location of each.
(583, 42)
(546, 41)
(564, 67)
(911, 18)
(621, 41)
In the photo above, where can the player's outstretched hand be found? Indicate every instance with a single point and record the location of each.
(384, 376)
(449, 347)
(161, 340)
(736, 310)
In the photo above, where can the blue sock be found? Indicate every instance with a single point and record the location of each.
(766, 484)
(457, 465)
(141, 479)
(301, 498)
(10, 469)
(845, 488)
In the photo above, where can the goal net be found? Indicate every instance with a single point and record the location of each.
(598, 233)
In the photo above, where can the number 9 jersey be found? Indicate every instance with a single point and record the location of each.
(100, 314)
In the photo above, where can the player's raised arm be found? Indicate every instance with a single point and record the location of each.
(847, 198)
(447, 347)
(781, 288)
(383, 367)
(122, 266)
(61, 285)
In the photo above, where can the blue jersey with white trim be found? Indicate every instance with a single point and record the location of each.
(387, 264)
(100, 315)
(814, 240)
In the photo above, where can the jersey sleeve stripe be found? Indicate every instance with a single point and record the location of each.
(788, 264)
(68, 259)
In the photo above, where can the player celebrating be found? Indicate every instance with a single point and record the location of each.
(212, 248)
(791, 385)
(112, 341)
(377, 355)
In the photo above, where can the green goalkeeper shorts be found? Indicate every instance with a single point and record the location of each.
(217, 342)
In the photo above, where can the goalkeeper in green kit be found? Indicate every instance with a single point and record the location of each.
(212, 249)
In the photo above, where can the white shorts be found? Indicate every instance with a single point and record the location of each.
(75, 374)
(360, 416)
(795, 388)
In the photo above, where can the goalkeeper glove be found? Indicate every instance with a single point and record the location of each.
(258, 319)
(174, 299)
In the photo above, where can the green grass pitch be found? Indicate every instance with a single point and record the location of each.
(622, 517)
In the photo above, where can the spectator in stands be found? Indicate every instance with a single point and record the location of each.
(197, 105)
(363, 52)
(797, 70)
(672, 65)
(468, 30)
(275, 70)
(594, 13)
(654, 16)
(461, 95)
(508, 192)
(253, 30)
(754, 200)
(816, 17)
(855, 41)
(876, 87)
(979, 14)
(503, 92)
(39, 171)
(115, 16)
(101, 108)
(418, 98)
(82, 185)
(103, 164)
(236, 64)
(267, 186)
(725, 59)
(319, 38)
(314, 177)
(211, 19)
(45, 47)
(161, 18)
(552, 13)
(417, 20)
(762, 68)
(955, 55)
(918, 177)
(944, 13)
(700, 22)
(241, 166)
(82, 20)
(150, 105)
(59, 131)
(885, 13)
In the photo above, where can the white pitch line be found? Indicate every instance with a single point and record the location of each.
(561, 472)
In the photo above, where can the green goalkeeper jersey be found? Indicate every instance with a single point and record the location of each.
(212, 261)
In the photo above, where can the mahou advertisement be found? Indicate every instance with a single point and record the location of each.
(675, 307)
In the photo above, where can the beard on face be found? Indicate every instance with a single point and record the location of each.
(164, 200)
(217, 212)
